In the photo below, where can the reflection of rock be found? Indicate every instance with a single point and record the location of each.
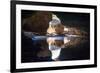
(56, 41)
(74, 41)
(62, 42)
(55, 44)
(38, 22)
(44, 53)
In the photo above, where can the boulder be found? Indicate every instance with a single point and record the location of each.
(38, 22)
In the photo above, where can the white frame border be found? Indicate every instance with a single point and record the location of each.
(20, 65)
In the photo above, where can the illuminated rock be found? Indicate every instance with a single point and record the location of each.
(74, 31)
(55, 26)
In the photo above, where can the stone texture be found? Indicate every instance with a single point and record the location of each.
(38, 22)
(58, 29)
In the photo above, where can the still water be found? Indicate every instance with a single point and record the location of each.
(55, 48)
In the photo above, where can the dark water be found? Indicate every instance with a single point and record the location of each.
(55, 48)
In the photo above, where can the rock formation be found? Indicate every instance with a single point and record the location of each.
(55, 26)
(38, 22)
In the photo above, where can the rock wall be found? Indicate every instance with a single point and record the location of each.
(38, 22)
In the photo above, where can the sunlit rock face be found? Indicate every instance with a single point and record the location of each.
(38, 22)
(74, 31)
(55, 26)
(43, 22)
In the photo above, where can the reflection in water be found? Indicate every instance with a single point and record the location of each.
(55, 44)
(47, 39)
(50, 48)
